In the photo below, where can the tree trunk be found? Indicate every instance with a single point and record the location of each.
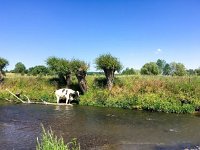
(64, 80)
(1, 76)
(68, 77)
(80, 75)
(109, 73)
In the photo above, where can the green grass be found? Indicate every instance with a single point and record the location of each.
(153, 93)
(49, 141)
(36, 88)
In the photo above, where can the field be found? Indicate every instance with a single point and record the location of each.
(153, 93)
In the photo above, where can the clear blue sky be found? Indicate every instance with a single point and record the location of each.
(135, 31)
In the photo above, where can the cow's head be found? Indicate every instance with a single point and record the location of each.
(75, 95)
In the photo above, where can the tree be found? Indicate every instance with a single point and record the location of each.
(109, 64)
(167, 70)
(191, 72)
(3, 64)
(128, 71)
(38, 70)
(197, 71)
(150, 69)
(79, 68)
(161, 64)
(61, 67)
(20, 68)
(178, 69)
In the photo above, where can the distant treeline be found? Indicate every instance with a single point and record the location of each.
(160, 67)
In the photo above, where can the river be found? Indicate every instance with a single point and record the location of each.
(98, 128)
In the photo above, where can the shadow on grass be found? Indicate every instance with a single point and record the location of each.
(101, 82)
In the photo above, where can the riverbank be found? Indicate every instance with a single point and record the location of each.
(152, 93)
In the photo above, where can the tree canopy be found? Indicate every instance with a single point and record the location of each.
(107, 61)
(76, 64)
(58, 65)
(150, 69)
(129, 71)
(161, 64)
(178, 69)
(38, 70)
(167, 70)
(3, 63)
(20, 68)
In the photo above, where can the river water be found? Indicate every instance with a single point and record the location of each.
(98, 128)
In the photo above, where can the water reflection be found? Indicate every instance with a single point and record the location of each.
(98, 128)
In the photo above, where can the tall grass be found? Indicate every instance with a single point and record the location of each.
(154, 93)
(36, 88)
(49, 141)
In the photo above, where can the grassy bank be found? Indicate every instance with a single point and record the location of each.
(154, 93)
(36, 88)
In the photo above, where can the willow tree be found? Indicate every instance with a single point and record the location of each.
(79, 68)
(109, 64)
(61, 67)
(3, 64)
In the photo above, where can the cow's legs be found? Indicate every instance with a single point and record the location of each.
(67, 98)
(58, 98)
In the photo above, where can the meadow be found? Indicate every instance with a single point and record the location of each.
(168, 94)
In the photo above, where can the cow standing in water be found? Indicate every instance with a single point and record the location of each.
(69, 94)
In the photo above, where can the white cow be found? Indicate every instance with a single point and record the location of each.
(69, 94)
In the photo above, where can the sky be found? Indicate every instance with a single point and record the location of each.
(134, 31)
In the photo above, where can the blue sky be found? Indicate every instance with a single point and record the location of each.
(135, 31)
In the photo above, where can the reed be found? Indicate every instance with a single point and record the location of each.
(49, 141)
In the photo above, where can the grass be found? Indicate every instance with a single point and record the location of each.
(49, 141)
(36, 88)
(152, 93)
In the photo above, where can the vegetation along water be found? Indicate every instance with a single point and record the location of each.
(153, 93)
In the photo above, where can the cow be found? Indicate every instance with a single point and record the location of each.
(69, 94)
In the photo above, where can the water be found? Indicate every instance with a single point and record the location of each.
(98, 128)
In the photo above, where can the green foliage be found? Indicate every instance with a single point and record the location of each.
(154, 102)
(167, 70)
(20, 68)
(146, 93)
(177, 69)
(3, 63)
(49, 141)
(150, 69)
(190, 72)
(36, 88)
(58, 65)
(197, 71)
(38, 70)
(153, 93)
(161, 64)
(107, 61)
(128, 71)
(76, 64)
